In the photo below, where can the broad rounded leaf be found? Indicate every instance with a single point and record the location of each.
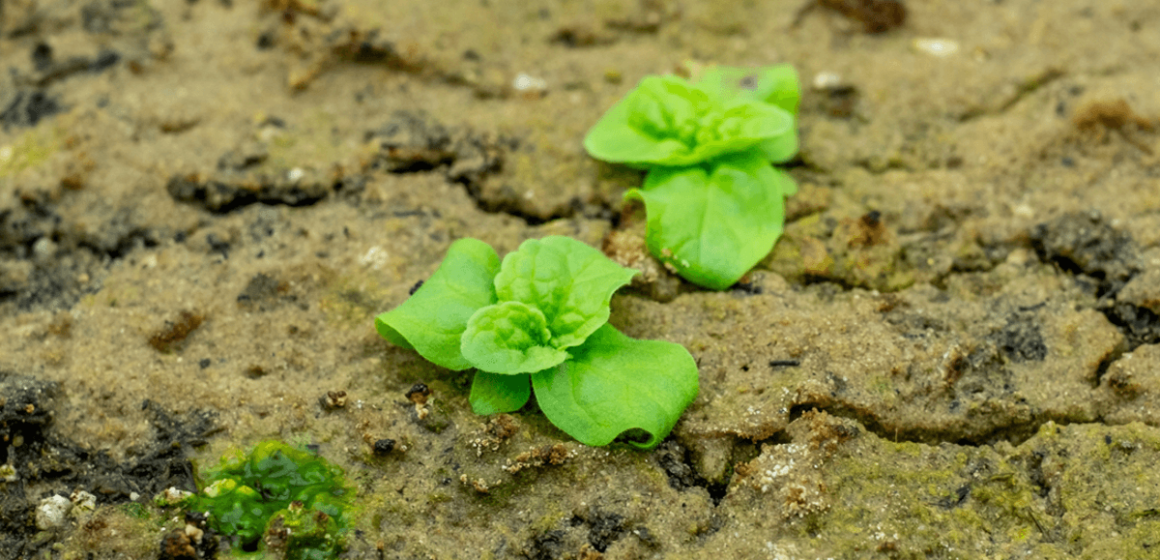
(432, 320)
(613, 384)
(782, 148)
(494, 393)
(509, 338)
(653, 124)
(713, 225)
(568, 281)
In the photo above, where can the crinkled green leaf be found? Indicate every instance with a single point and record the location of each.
(666, 121)
(713, 223)
(493, 393)
(613, 384)
(432, 320)
(740, 126)
(655, 122)
(773, 85)
(568, 281)
(509, 338)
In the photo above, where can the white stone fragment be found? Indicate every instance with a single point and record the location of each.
(527, 83)
(827, 80)
(375, 257)
(936, 47)
(51, 511)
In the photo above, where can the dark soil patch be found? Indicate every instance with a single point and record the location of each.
(46, 464)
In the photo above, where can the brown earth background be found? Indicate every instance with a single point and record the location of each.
(951, 353)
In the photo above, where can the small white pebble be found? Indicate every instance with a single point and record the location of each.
(525, 82)
(43, 249)
(936, 47)
(827, 80)
(375, 257)
(295, 174)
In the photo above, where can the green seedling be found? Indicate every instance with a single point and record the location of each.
(285, 501)
(539, 320)
(715, 205)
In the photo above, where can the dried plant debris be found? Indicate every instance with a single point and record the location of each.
(550, 455)
(172, 336)
(1098, 118)
(876, 16)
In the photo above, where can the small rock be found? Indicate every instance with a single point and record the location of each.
(82, 502)
(937, 48)
(383, 447)
(51, 512)
(529, 85)
(827, 80)
(1143, 290)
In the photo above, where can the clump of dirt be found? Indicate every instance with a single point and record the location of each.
(1100, 117)
(1085, 243)
(172, 336)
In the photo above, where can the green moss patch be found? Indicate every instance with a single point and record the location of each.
(278, 499)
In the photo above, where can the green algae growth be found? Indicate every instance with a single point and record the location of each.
(280, 500)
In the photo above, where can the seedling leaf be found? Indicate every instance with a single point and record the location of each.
(432, 320)
(713, 223)
(646, 126)
(568, 281)
(614, 384)
(667, 121)
(493, 393)
(509, 338)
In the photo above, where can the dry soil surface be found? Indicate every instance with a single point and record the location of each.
(952, 353)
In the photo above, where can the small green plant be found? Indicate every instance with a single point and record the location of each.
(279, 499)
(540, 320)
(715, 205)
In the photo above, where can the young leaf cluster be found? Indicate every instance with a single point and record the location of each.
(539, 320)
(715, 205)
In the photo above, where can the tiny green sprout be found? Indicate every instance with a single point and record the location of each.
(278, 498)
(715, 205)
(539, 320)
